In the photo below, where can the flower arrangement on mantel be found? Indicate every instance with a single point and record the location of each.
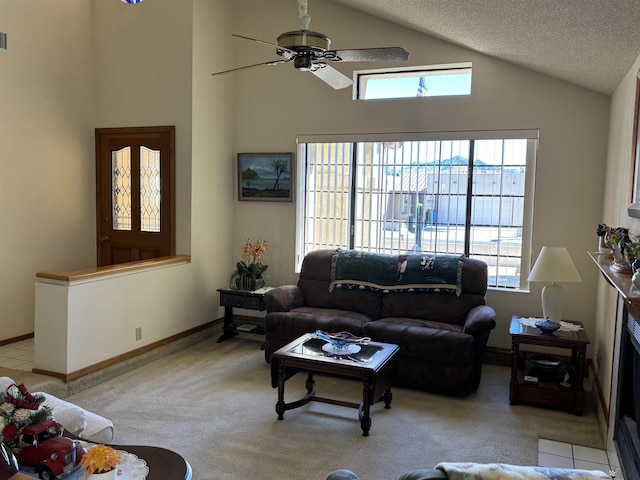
(19, 409)
(624, 246)
(249, 272)
(99, 459)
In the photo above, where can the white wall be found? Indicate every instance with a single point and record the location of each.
(47, 199)
(143, 72)
(78, 65)
(274, 104)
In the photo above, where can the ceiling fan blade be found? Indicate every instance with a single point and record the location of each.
(274, 45)
(273, 62)
(382, 54)
(331, 76)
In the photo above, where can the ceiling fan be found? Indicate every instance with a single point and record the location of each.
(309, 52)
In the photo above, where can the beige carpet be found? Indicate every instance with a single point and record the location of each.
(213, 403)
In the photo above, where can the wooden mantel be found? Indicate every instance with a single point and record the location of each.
(620, 281)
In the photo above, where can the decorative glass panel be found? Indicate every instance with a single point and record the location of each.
(121, 188)
(149, 190)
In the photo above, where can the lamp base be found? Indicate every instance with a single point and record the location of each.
(552, 302)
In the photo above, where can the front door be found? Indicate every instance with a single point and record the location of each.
(135, 193)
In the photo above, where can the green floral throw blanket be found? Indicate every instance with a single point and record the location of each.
(352, 269)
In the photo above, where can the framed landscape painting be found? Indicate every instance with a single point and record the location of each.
(266, 177)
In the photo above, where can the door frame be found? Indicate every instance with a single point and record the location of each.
(170, 131)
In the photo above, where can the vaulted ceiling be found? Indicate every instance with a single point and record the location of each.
(591, 43)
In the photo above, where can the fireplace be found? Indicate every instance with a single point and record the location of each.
(627, 427)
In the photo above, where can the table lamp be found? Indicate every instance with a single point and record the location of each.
(554, 265)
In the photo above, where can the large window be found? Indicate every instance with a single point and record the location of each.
(469, 195)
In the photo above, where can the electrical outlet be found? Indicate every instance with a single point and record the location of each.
(138, 333)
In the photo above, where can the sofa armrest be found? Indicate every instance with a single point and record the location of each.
(283, 298)
(480, 319)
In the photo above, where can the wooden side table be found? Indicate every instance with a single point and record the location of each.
(241, 299)
(547, 389)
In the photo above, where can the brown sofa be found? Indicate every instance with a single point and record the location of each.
(442, 336)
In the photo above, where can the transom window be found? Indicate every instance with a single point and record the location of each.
(427, 81)
(469, 195)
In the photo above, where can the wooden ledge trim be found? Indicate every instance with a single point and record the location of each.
(113, 269)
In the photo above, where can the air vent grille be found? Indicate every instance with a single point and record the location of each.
(3, 42)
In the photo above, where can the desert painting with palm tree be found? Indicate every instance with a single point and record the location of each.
(265, 176)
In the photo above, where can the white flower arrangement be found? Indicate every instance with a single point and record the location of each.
(19, 409)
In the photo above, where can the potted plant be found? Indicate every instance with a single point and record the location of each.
(249, 272)
(100, 462)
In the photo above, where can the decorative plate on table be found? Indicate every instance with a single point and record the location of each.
(546, 362)
(346, 350)
(130, 467)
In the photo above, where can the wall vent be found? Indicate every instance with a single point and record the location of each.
(3, 43)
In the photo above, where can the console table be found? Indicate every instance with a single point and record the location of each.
(231, 299)
(547, 390)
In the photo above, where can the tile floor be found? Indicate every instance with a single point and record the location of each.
(19, 356)
(564, 455)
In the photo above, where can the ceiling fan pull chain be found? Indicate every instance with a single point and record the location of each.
(302, 15)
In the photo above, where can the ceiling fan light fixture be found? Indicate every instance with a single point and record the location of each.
(303, 62)
(131, 2)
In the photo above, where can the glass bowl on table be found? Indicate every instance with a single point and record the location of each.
(341, 343)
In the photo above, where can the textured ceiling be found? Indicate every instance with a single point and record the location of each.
(591, 43)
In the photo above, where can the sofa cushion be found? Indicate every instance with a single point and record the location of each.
(423, 339)
(439, 307)
(70, 416)
(303, 320)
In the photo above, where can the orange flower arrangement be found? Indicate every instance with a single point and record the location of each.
(251, 252)
(99, 459)
(251, 267)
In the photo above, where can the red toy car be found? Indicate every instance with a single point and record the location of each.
(48, 453)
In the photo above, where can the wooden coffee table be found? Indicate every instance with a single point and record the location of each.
(374, 364)
(163, 464)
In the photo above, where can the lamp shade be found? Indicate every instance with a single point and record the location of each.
(554, 265)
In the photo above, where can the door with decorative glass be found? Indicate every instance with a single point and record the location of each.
(135, 193)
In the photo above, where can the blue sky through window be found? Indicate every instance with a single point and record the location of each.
(403, 84)
(437, 85)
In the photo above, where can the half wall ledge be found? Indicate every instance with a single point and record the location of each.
(87, 319)
(113, 269)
